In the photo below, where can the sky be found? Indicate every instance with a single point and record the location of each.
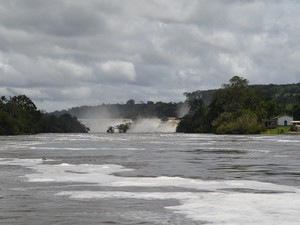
(66, 53)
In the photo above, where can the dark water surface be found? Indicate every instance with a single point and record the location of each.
(149, 179)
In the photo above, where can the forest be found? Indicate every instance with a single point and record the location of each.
(235, 108)
(280, 99)
(19, 115)
(238, 108)
(129, 110)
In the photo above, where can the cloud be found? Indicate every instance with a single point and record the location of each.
(117, 71)
(24, 71)
(71, 52)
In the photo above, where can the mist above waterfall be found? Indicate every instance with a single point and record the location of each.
(141, 125)
(143, 117)
(182, 110)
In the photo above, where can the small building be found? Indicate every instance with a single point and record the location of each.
(284, 120)
(295, 125)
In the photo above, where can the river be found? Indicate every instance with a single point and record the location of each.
(149, 178)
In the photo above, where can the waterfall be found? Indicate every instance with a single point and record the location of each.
(142, 125)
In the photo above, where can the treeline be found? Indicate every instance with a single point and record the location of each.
(19, 115)
(284, 95)
(238, 108)
(130, 110)
(235, 108)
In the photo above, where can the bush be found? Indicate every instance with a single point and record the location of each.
(19, 115)
(246, 123)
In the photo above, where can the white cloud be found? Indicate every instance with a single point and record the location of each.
(236, 64)
(78, 93)
(113, 50)
(25, 71)
(117, 71)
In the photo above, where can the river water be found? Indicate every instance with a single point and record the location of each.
(149, 179)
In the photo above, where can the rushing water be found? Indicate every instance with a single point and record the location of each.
(149, 179)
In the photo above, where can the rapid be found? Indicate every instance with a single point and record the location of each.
(149, 178)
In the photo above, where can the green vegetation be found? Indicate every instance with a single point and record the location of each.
(130, 110)
(279, 99)
(235, 108)
(278, 130)
(238, 108)
(19, 115)
(122, 128)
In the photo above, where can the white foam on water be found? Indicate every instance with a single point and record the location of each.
(64, 172)
(289, 141)
(71, 137)
(85, 149)
(121, 194)
(238, 149)
(217, 208)
(216, 202)
(62, 148)
(123, 148)
(20, 162)
(242, 208)
(157, 217)
(79, 149)
(102, 175)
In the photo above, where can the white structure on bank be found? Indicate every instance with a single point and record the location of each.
(284, 120)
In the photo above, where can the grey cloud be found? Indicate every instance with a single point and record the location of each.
(61, 18)
(71, 52)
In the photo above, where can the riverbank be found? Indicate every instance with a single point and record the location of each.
(278, 130)
(295, 132)
(281, 130)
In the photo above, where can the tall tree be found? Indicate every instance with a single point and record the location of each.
(296, 109)
(19, 115)
(235, 108)
(239, 101)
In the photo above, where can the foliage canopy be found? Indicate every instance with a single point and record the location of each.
(19, 115)
(236, 108)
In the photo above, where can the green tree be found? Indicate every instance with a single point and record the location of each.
(23, 102)
(271, 108)
(23, 110)
(122, 128)
(8, 124)
(296, 109)
(196, 120)
(234, 99)
(130, 102)
(235, 108)
(236, 95)
(243, 122)
(19, 115)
